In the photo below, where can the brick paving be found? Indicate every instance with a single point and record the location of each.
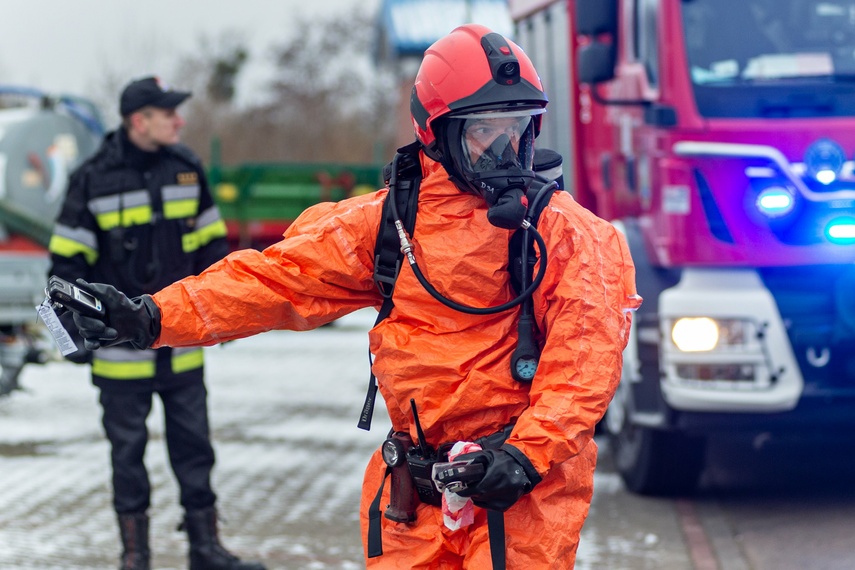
(289, 467)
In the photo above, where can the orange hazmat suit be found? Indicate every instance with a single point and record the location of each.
(455, 366)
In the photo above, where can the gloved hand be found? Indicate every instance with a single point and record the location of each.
(508, 475)
(136, 320)
(81, 355)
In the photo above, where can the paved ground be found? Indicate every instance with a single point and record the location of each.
(289, 468)
(284, 408)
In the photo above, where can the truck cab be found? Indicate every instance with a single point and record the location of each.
(719, 136)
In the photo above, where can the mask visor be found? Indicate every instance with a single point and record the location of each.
(497, 141)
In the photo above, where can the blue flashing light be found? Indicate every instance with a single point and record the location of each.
(775, 201)
(825, 177)
(841, 230)
(824, 160)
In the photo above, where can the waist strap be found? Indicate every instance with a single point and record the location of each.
(495, 519)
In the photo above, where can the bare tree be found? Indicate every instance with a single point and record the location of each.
(327, 101)
(142, 53)
(211, 72)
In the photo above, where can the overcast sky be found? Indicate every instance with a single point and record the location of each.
(64, 45)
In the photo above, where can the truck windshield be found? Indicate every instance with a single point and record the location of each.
(768, 46)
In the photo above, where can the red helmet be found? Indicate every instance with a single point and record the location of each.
(472, 69)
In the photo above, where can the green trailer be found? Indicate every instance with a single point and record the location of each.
(260, 200)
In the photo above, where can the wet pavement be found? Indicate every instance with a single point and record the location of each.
(283, 409)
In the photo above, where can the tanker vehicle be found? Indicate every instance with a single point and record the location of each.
(42, 138)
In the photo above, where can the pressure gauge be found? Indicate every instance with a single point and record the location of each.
(525, 369)
(527, 354)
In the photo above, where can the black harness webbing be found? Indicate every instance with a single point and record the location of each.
(405, 172)
(388, 256)
(375, 530)
(496, 535)
(387, 248)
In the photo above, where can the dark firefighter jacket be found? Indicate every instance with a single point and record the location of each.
(139, 221)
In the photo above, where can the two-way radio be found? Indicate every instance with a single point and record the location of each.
(421, 459)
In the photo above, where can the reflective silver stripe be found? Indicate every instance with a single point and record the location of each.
(135, 198)
(79, 235)
(184, 350)
(180, 192)
(104, 205)
(120, 354)
(108, 204)
(207, 217)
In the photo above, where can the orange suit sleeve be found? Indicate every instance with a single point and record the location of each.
(320, 270)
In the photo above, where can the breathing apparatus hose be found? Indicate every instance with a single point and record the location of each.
(407, 250)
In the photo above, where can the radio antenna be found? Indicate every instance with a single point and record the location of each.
(421, 435)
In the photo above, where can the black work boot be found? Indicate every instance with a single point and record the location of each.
(134, 530)
(206, 552)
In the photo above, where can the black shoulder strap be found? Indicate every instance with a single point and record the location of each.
(387, 247)
(405, 171)
(538, 195)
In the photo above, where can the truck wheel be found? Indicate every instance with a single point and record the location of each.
(653, 462)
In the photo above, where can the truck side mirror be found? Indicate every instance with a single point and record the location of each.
(594, 17)
(596, 63)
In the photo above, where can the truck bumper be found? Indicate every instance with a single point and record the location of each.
(754, 373)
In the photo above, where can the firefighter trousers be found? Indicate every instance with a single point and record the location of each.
(187, 440)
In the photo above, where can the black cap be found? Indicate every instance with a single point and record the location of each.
(149, 92)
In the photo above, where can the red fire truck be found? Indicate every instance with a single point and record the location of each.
(719, 136)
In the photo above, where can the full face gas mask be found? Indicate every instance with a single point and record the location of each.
(491, 154)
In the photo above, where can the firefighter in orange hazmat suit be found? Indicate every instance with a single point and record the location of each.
(476, 109)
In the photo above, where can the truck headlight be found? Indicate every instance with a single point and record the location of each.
(703, 334)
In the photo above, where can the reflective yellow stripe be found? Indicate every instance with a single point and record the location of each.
(190, 242)
(108, 221)
(180, 208)
(123, 370)
(187, 361)
(212, 231)
(194, 240)
(136, 215)
(69, 248)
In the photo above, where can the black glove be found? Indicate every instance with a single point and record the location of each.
(508, 475)
(81, 355)
(136, 321)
